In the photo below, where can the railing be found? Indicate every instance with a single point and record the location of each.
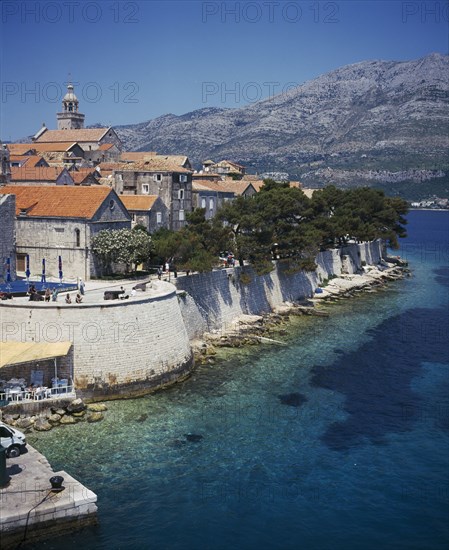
(23, 396)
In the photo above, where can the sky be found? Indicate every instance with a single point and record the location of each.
(133, 61)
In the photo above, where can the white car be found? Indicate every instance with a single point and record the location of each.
(12, 440)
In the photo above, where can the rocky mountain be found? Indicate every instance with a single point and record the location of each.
(364, 119)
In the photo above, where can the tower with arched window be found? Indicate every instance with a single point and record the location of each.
(70, 118)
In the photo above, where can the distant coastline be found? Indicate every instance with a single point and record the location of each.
(431, 209)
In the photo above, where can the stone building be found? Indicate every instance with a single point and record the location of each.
(146, 210)
(161, 177)
(89, 139)
(224, 167)
(92, 141)
(211, 196)
(7, 234)
(53, 221)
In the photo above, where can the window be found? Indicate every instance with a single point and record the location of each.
(181, 216)
(211, 204)
(203, 203)
(157, 177)
(111, 205)
(133, 217)
(77, 237)
(181, 194)
(59, 229)
(20, 262)
(145, 188)
(182, 178)
(158, 217)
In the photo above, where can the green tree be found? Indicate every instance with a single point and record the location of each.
(124, 246)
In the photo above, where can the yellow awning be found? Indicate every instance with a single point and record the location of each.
(12, 353)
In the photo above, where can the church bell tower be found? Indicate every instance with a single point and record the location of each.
(70, 118)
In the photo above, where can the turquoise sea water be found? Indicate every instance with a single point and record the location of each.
(338, 440)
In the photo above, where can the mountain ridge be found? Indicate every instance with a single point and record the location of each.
(370, 115)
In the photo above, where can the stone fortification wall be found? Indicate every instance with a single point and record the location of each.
(119, 348)
(210, 301)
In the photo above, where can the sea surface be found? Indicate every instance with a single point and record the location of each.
(337, 440)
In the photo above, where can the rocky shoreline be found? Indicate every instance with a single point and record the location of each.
(250, 330)
(245, 330)
(57, 415)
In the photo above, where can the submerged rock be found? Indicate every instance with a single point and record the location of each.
(97, 407)
(24, 423)
(54, 418)
(292, 399)
(67, 419)
(42, 425)
(142, 418)
(77, 405)
(95, 417)
(193, 438)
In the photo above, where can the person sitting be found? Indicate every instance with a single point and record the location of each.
(47, 295)
(68, 300)
(78, 298)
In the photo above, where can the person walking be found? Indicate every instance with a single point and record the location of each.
(81, 287)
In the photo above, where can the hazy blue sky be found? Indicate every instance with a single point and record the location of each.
(133, 61)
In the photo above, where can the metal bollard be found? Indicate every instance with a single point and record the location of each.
(4, 477)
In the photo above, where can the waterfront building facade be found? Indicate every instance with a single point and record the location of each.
(53, 221)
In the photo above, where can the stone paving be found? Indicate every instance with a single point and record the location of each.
(28, 506)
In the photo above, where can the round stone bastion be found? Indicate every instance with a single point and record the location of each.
(120, 348)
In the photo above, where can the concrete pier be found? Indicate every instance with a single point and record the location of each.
(31, 511)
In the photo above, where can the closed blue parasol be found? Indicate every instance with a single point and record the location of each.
(8, 270)
(43, 279)
(60, 268)
(27, 265)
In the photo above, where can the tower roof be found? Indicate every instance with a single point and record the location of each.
(70, 95)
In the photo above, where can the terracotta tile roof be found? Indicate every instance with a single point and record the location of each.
(35, 173)
(223, 162)
(29, 160)
(132, 156)
(20, 148)
(216, 186)
(57, 201)
(142, 156)
(206, 175)
(153, 164)
(83, 174)
(81, 135)
(238, 187)
(109, 166)
(54, 147)
(106, 146)
(138, 202)
(179, 160)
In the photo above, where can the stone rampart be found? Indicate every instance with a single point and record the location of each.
(120, 348)
(210, 301)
